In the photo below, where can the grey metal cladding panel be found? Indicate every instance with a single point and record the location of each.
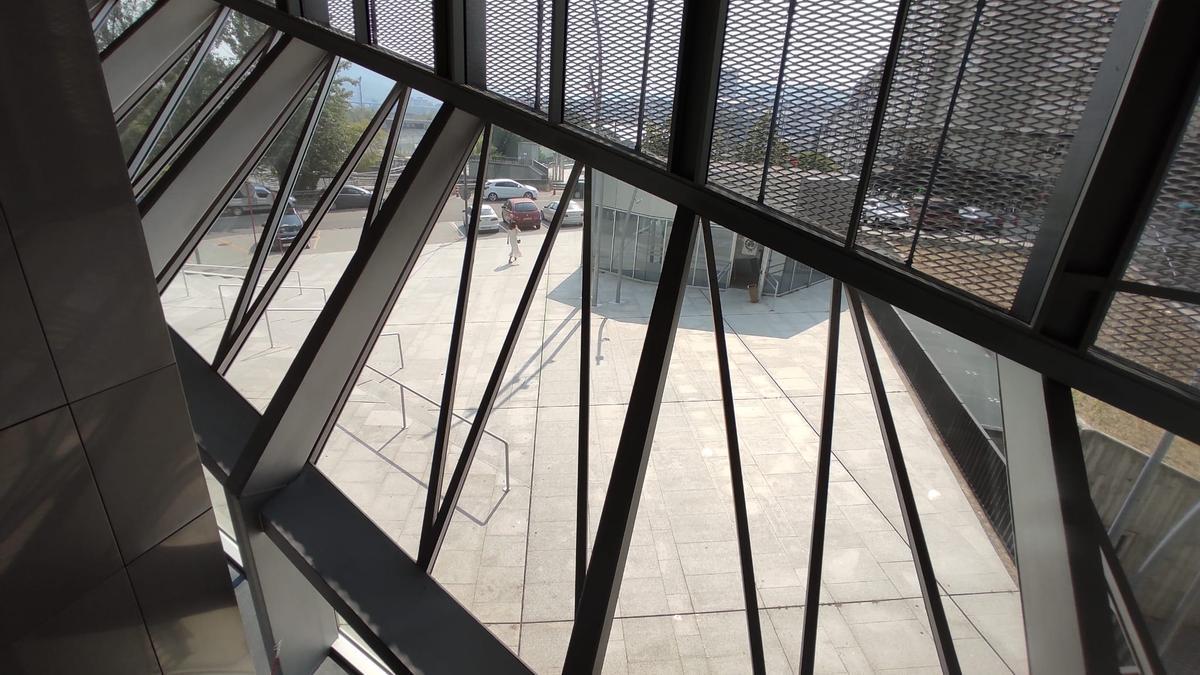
(139, 439)
(183, 588)
(378, 588)
(101, 633)
(28, 382)
(182, 204)
(137, 58)
(55, 542)
(69, 206)
(222, 420)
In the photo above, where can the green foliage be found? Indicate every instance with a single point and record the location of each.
(504, 142)
(754, 147)
(656, 139)
(813, 161)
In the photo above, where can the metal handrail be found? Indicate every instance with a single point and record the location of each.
(404, 415)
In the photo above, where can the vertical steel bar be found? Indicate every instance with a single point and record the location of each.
(558, 60)
(641, 120)
(594, 613)
(441, 443)
(585, 390)
(773, 123)
(942, 638)
(259, 260)
(431, 542)
(362, 21)
(537, 56)
(816, 550)
(742, 518)
(941, 146)
(881, 101)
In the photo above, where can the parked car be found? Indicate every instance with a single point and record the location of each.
(250, 198)
(889, 213)
(352, 197)
(289, 229)
(523, 213)
(573, 216)
(488, 220)
(506, 188)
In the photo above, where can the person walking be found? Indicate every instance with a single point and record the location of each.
(514, 244)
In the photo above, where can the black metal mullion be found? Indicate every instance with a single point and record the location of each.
(816, 550)
(585, 390)
(641, 123)
(742, 518)
(941, 146)
(362, 21)
(150, 138)
(389, 158)
(432, 540)
(594, 613)
(260, 303)
(558, 60)
(101, 12)
(943, 640)
(172, 267)
(773, 124)
(441, 444)
(167, 156)
(881, 101)
(267, 239)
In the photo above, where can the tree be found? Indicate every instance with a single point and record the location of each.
(813, 161)
(504, 142)
(754, 147)
(656, 139)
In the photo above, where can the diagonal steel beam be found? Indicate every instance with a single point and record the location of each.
(816, 549)
(389, 158)
(177, 212)
(749, 591)
(150, 138)
(258, 308)
(157, 164)
(441, 443)
(326, 367)
(431, 539)
(594, 612)
(267, 239)
(942, 638)
(144, 53)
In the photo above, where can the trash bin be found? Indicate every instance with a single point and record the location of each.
(753, 288)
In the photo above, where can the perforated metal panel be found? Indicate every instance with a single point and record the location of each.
(404, 27)
(620, 69)
(1030, 73)
(830, 84)
(754, 42)
(341, 15)
(1168, 253)
(518, 50)
(965, 172)
(1160, 335)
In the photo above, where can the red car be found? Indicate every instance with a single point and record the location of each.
(522, 212)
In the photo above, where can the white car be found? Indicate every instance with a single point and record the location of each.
(505, 188)
(573, 216)
(488, 220)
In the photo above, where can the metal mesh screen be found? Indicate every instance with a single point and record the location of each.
(620, 69)
(830, 81)
(1160, 335)
(518, 50)
(1168, 253)
(404, 27)
(341, 15)
(964, 176)
(754, 42)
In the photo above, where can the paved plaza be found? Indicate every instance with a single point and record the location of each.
(509, 554)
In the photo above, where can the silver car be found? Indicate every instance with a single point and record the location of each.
(488, 220)
(506, 188)
(573, 216)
